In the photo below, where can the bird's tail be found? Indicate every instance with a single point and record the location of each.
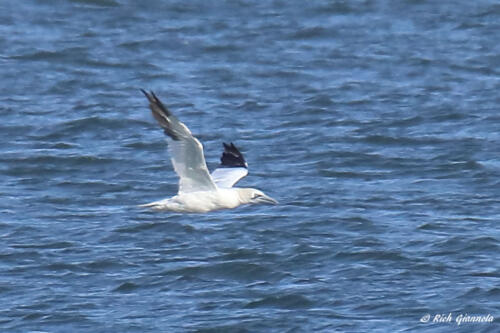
(151, 204)
(157, 205)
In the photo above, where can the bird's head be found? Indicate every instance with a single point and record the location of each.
(254, 196)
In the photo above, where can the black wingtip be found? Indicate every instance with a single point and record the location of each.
(154, 96)
(149, 95)
(161, 114)
(232, 157)
(153, 99)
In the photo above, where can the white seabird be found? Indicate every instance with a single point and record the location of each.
(199, 191)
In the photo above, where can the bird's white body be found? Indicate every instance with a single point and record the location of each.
(200, 201)
(200, 191)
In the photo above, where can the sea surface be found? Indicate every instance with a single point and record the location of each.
(376, 124)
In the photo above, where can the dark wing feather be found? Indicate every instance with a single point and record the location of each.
(233, 167)
(232, 157)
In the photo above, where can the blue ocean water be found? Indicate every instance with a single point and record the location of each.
(374, 123)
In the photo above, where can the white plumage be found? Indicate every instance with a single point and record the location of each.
(227, 177)
(200, 191)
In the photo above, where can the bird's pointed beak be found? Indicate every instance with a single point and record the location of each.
(267, 200)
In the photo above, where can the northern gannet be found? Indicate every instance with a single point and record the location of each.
(199, 191)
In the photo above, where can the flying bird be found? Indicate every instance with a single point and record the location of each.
(199, 190)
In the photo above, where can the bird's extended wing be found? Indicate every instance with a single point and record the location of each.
(185, 150)
(233, 167)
